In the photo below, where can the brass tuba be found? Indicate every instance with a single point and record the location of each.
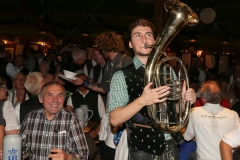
(159, 71)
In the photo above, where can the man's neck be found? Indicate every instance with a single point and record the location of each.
(83, 91)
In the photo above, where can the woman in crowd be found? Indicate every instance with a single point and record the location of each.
(43, 68)
(18, 94)
(6, 108)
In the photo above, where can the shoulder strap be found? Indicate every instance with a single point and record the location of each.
(120, 62)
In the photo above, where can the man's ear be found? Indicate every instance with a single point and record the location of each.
(130, 44)
(40, 99)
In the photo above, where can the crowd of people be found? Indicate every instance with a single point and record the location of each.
(39, 105)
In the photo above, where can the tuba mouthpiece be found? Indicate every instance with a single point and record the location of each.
(146, 46)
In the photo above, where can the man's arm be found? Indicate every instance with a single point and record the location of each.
(226, 151)
(92, 86)
(77, 141)
(148, 97)
(189, 133)
(2, 131)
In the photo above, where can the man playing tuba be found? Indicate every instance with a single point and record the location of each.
(129, 98)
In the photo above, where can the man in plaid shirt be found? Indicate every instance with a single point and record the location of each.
(53, 132)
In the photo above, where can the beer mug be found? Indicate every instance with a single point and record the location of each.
(82, 113)
(12, 147)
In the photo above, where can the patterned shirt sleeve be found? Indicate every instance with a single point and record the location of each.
(78, 145)
(118, 91)
(22, 132)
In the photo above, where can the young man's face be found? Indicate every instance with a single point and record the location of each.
(140, 37)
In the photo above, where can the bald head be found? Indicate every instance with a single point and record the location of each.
(211, 92)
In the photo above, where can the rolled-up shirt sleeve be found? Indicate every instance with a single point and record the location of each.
(189, 133)
(118, 91)
(233, 138)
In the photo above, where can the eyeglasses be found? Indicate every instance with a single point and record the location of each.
(4, 87)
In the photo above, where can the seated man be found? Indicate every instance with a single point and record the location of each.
(210, 122)
(95, 103)
(52, 132)
(92, 99)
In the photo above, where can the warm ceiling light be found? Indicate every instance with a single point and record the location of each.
(225, 40)
(199, 53)
(85, 33)
(43, 30)
(192, 39)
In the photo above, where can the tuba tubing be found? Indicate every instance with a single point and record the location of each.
(161, 73)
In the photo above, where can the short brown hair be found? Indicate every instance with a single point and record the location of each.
(140, 22)
(109, 41)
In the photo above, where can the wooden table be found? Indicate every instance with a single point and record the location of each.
(89, 127)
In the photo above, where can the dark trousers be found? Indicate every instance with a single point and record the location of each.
(105, 152)
(170, 153)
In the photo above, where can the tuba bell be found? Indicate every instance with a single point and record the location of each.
(159, 71)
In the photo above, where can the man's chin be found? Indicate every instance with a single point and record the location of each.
(143, 54)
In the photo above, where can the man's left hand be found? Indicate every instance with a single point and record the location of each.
(58, 154)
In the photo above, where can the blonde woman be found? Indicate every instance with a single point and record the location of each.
(18, 94)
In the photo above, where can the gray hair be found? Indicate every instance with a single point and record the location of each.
(211, 91)
(77, 53)
(51, 84)
(33, 82)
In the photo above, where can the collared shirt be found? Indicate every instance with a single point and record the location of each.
(39, 135)
(118, 87)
